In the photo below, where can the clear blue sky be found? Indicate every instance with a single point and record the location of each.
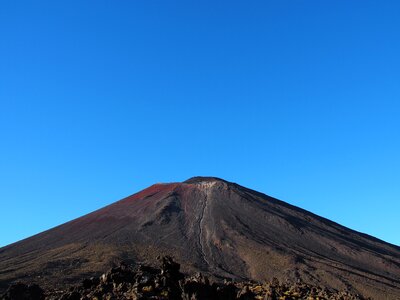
(297, 99)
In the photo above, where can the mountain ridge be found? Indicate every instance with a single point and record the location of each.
(213, 226)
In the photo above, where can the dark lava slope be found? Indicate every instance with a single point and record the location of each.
(212, 226)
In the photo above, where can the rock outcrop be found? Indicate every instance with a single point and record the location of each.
(143, 282)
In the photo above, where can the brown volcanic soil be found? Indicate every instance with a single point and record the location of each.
(213, 226)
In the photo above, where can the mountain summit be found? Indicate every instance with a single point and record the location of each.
(200, 179)
(213, 226)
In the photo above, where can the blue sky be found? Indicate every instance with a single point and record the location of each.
(296, 99)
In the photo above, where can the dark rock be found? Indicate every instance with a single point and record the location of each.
(170, 268)
(198, 287)
(71, 296)
(90, 282)
(245, 294)
(21, 291)
(227, 291)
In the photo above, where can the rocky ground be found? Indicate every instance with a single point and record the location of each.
(168, 282)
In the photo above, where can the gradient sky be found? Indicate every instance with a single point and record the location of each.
(296, 99)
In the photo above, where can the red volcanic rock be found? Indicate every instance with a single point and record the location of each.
(213, 226)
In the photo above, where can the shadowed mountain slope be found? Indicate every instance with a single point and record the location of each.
(213, 226)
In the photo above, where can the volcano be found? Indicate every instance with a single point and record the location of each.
(213, 226)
